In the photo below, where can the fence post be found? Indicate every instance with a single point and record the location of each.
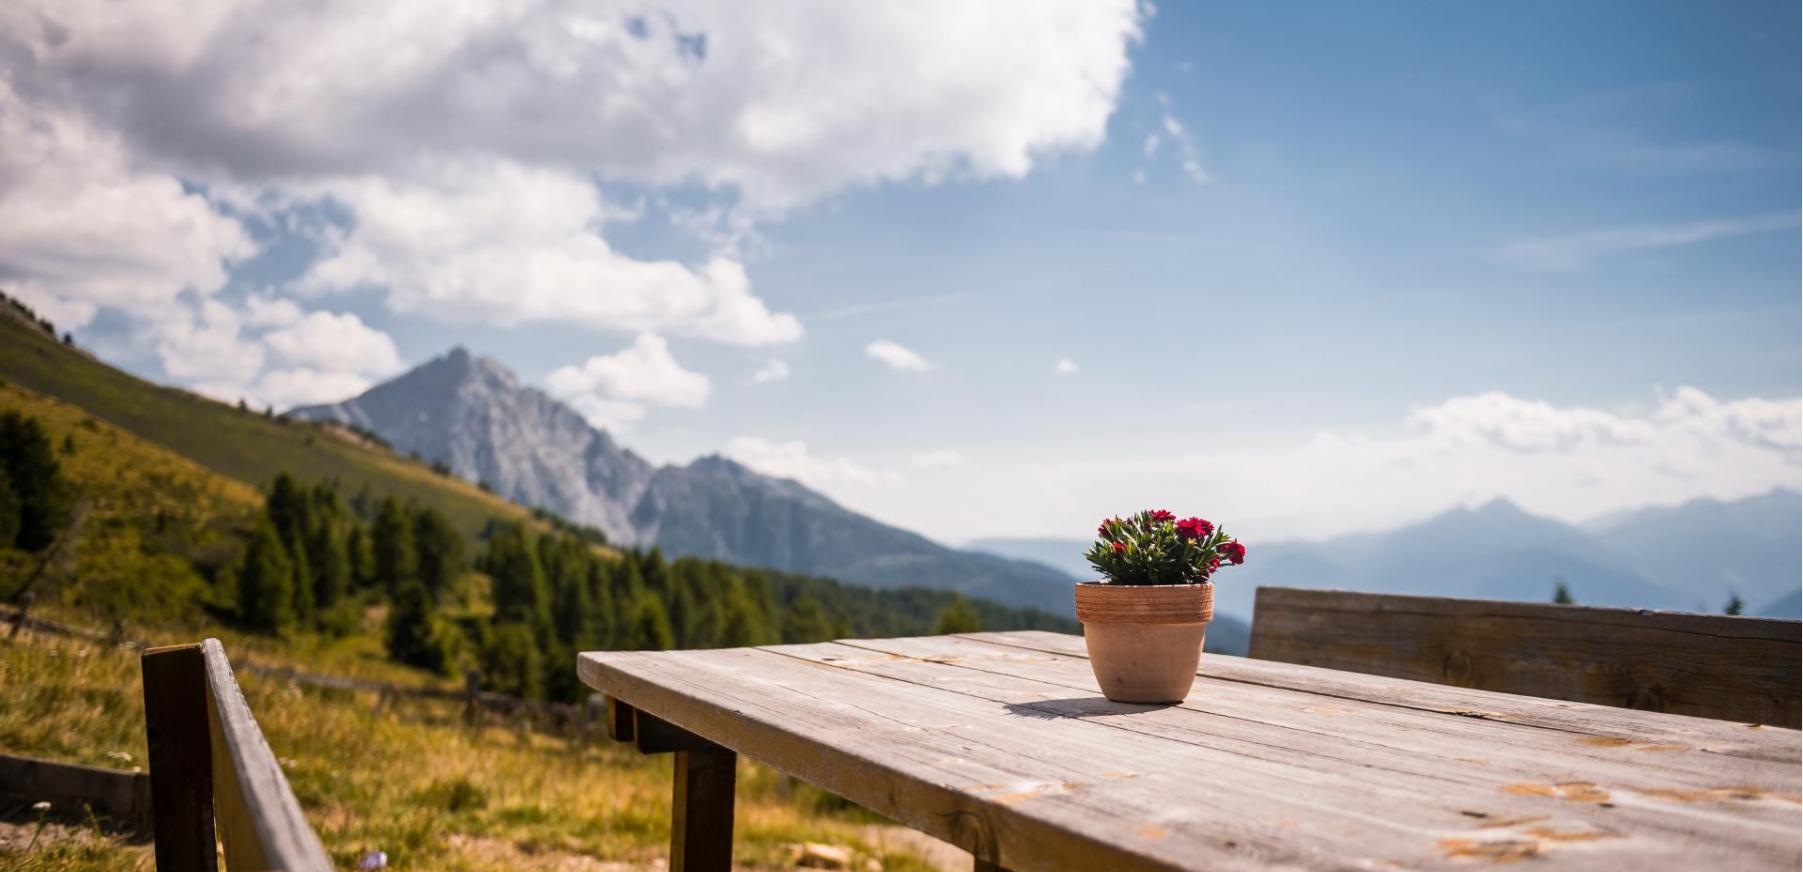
(181, 757)
(19, 616)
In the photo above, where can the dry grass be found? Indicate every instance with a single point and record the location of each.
(410, 780)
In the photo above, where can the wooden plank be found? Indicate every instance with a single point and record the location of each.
(1013, 785)
(181, 761)
(1721, 737)
(1516, 777)
(1717, 666)
(259, 820)
(118, 798)
(1435, 743)
(701, 810)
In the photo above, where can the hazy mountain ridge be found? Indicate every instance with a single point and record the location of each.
(474, 415)
(1689, 557)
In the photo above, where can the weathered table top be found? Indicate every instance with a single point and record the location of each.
(1002, 744)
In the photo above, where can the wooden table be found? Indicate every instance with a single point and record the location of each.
(1001, 743)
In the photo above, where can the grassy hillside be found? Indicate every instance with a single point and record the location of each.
(411, 779)
(240, 444)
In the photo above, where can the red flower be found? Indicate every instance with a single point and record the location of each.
(1158, 516)
(1234, 552)
(1213, 566)
(1193, 528)
(1102, 529)
(1119, 547)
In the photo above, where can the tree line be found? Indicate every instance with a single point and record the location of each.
(519, 608)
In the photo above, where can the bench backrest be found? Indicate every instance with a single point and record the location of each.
(1713, 666)
(209, 764)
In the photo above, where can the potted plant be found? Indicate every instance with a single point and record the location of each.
(1144, 621)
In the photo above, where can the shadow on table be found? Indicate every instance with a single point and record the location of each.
(1078, 707)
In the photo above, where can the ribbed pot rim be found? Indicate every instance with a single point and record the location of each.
(1099, 603)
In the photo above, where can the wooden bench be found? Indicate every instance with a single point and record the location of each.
(1713, 666)
(1002, 744)
(211, 770)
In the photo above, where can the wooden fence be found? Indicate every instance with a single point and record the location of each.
(211, 771)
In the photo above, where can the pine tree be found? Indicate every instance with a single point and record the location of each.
(650, 628)
(9, 511)
(743, 623)
(266, 583)
(512, 663)
(440, 551)
(1734, 606)
(391, 541)
(1562, 594)
(520, 592)
(36, 481)
(958, 617)
(414, 635)
(805, 621)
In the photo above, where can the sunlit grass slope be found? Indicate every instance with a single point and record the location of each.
(411, 780)
(241, 444)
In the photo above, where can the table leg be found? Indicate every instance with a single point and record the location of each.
(701, 813)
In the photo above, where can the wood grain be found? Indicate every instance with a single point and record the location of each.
(1009, 752)
(258, 818)
(1715, 666)
(181, 759)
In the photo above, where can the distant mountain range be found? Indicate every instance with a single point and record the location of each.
(475, 416)
(1690, 557)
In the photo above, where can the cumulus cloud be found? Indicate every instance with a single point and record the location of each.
(784, 105)
(772, 370)
(613, 391)
(458, 148)
(896, 356)
(1065, 366)
(335, 342)
(499, 242)
(220, 351)
(84, 226)
(793, 460)
(1577, 251)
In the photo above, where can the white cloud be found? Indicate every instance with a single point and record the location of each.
(84, 226)
(267, 310)
(305, 386)
(793, 460)
(1577, 251)
(205, 343)
(785, 105)
(772, 370)
(1570, 462)
(462, 145)
(335, 343)
(1182, 142)
(501, 242)
(896, 356)
(939, 459)
(1065, 366)
(613, 390)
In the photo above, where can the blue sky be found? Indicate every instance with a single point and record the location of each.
(1313, 267)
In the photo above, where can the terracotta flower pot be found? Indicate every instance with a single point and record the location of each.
(1145, 641)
